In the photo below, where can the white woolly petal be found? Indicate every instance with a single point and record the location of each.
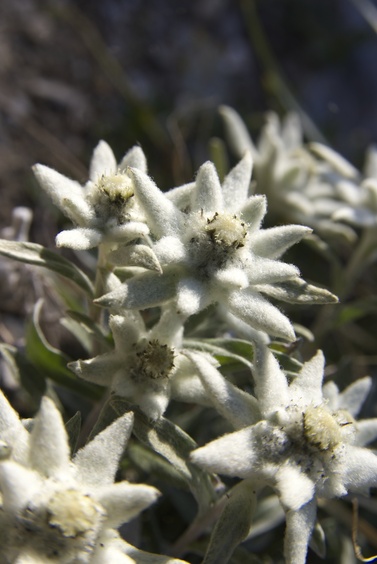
(298, 204)
(208, 196)
(334, 159)
(291, 131)
(67, 194)
(231, 455)
(110, 548)
(273, 242)
(191, 295)
(240, 328)
(55, 184)
(271, 386)
(237, 183)
(306, 388)
(141, 292)
(189, 388)
(49, 452)
(169, 329)
(127, 231)
(239, 408)
(237, 133)
(356, 216)
(154, 402)
(330, 393)
(170, 249)
(135, 255)
(260, 314)
(299, 528)
(12, 432)
(353, 397)
(266, 271)
(123, 501)
(97, 462)
(103, 162)
(232, 278)
(17, 485)
(8, 416)
(134, 157)
(254, 211)
(164, 217)
(99, 370)
(79, 239)
(295, 488)
(126, 329)
(181, 195)
(366, 431)
(80, 212)
(360, 469)
(330, 229)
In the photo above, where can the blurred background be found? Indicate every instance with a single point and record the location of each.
(154, 73)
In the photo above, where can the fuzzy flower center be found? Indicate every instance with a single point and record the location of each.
(73, 513)
(321, 430)
(111, 196)
(227, 230)
(213, 240)
(64, 527)
(154, 361)
(310, 439)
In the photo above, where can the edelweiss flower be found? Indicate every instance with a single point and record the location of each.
(102, 210)
(57, 510)
(217, 252)
(306, 443)
(299, 187)
(146, 367)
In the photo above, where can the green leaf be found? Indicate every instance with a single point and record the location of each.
(35, 254)
(286, 361)
(51, 362)
(303, 332)
(233, 525)
(154, 464)
(222, 349)
(298, 291)
(168, 440)
(79, 333)
(92, 329)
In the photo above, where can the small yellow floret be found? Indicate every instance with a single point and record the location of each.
(155, 361)
(73, 512)
(227, 229)
(321, 429)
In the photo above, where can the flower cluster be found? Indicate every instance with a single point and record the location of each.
(306, 184)
(191, 284)
(303, 440)
(57, 509)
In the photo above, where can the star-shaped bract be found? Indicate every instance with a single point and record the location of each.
(146, 366)
(61, 510)
(300, 187)
(216, 252)
(306, 443)
(104, 209)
